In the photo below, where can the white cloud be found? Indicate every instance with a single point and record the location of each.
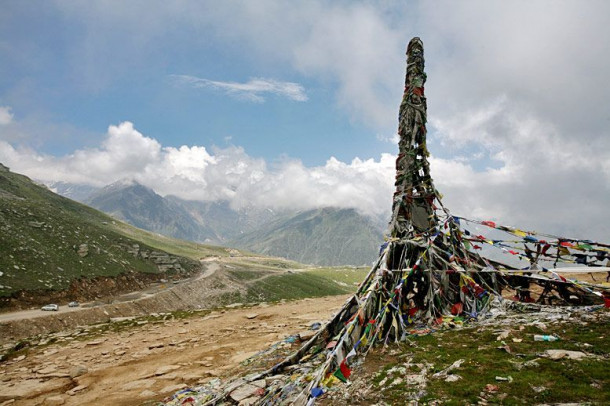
(538, 185)
(6, 117)
(225, 174)
(250, 90)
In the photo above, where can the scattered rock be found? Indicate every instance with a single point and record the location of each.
(306, 335)
(147, 394)
(452, 378)
(166, 369)
(538, 389)
(78, 370)
(156, 345)
(79, 388)
(559, 354)
(141, 383)
(83, 250)
(47, 370)
(56, 400)
(243, 392)
(173, 388)
(261, 383)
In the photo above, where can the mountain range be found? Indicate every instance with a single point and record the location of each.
(52, 246)
(327, 236)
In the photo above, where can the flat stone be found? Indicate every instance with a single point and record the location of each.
(559, 354)
(56, 400)
(166, 369)
(141, 383)
(47, 370)
(251, 316)
(95, 342)
(58, 374)
(261, 383)
(173, 388)
(30, 388)
(79, 388)
(147, 394)
(243, 392)
(156, 345)
(452, 378)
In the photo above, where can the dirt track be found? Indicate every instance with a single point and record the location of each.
(154, 360)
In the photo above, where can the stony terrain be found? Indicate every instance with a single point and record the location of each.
(149, 358)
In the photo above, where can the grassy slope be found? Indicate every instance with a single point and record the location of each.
(535, 379)
(41, 232)
(314, 282)
(326, 236)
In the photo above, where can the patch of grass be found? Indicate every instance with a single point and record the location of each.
(293, 286)
(261, 262)
(350, 276)
(174, 246)
(246, 274)
(535, 379)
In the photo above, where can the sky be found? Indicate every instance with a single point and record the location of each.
(294, 104)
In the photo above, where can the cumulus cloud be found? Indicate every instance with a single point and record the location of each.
(551, 192)
(6, 117)
(250, 90)
(194, 173)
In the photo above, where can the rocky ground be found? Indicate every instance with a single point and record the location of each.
(147, 359)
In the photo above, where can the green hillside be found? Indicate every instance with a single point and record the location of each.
(48, 241)
(328, 236)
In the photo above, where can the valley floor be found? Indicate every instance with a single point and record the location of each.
(147, 359)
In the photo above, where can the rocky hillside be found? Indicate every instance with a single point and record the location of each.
(206, 222)
(328, 236)
(142, 207)
(54, 248)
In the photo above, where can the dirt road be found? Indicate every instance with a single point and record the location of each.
(152, 361)
(209, 270)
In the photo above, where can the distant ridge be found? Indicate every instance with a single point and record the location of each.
(140, 206)
(328, 236)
